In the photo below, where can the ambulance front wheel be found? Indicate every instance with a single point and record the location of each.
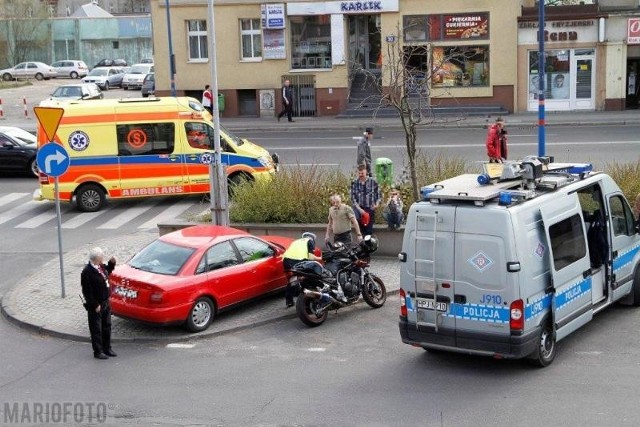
(546, 349)
(90, 198)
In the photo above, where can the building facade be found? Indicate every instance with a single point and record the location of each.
(320, 45)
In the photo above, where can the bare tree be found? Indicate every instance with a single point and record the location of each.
(25, 28)
(409, 72)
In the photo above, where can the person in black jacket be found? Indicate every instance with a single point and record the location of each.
(287, 101)
(95, 289)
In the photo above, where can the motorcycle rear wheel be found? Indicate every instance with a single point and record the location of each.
(374, 292)
(305, 308)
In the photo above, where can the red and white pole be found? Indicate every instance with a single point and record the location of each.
(1, 111)
(26, 112)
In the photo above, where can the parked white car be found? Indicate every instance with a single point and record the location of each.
(26, 70)
(134, 77)
(70, 68)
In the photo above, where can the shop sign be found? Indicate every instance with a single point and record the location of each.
(633, 31)
(559, 32)
(273, 44)
(466, 26)
(273, 16)
(342, 7)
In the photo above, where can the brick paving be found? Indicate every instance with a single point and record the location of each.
(36, 302)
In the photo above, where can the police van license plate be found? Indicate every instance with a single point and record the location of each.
(429, 304)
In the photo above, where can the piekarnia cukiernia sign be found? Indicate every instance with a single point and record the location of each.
(357, 6)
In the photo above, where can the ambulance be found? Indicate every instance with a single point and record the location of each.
(144, 147)
(508, 262)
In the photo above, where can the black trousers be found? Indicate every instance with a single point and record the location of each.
(292, 288)
(100, 328)
(343, 238)
(288, 110)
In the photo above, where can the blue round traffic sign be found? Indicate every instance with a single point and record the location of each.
(53, 159)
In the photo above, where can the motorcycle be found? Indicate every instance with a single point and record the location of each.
(346, 266)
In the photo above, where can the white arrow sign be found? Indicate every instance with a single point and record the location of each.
(58, 157)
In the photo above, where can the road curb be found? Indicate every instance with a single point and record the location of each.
(14, 318)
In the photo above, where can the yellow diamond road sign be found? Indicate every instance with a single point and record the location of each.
(49, 119)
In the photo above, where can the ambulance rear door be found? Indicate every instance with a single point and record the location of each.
(570, 265)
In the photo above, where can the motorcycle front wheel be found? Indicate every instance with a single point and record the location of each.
(374, 292)
(306, 307)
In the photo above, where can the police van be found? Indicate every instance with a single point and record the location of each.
(509, 262)
(144, 147)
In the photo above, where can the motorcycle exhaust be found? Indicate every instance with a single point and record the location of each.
(320, 295)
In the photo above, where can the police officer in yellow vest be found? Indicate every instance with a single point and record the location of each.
(300, 250)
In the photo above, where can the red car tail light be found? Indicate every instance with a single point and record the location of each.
(403, 303)
(156, 297)
(516, 315)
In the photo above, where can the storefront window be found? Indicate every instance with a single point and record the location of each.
(557, 77)
(462, 66)
(311, 42)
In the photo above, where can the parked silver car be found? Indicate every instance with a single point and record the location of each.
(105, 77)
(70, 68)
(75, 92)
(148, 85)
(27, 70)
(133, 79)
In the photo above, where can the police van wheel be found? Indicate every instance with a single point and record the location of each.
(546, 351)
(636, 288)
(90, 198)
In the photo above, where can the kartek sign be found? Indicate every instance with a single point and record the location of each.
(346, 7)
(633, 31)
(360, 6)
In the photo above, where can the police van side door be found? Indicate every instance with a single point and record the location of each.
(625, 243)
(570, 266)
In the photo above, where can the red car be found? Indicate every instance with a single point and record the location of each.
(188, 276)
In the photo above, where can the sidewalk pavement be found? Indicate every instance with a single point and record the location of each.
(35, 303)
(528, 119)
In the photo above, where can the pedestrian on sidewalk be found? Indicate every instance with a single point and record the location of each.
(287, 101)
(95, 289)
(365, 197)
(363, 156)
(392, 211)
(207, 99)
(497, 142)
(301, 249)
(341, 221)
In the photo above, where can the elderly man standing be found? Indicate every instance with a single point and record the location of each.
(95, 289)
(341, 221)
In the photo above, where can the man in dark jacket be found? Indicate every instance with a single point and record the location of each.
(95, 289)
(363, 156)
(287, 101)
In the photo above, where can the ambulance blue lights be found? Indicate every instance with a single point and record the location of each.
(505, 198)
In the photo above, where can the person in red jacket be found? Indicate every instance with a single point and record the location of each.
(497, 142)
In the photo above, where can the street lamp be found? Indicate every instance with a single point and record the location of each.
(217, 174)
(541, 135)
(172, 60)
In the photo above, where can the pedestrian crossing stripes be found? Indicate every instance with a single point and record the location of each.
(19, 211)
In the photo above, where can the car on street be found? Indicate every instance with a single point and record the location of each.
(19, 133)
(146, 61)
(16, 154)
(105, 77)
(134, 77)
(70, 68)
(190, 275)
(149, 85)
(77, 92)
(111, 63)
(27, 70)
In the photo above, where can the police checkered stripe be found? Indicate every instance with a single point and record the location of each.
(584, 285)
(544, 301)
(626, 257)
(457, 311)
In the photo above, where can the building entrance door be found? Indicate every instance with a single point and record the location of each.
(364, 41)
(583, 81)
(633, 83)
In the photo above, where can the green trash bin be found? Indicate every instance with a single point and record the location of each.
(221, 102)
(384, 171)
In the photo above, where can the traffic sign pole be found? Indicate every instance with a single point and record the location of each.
(59, 216)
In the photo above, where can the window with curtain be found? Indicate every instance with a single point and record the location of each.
(250, 39)
(197, 40)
